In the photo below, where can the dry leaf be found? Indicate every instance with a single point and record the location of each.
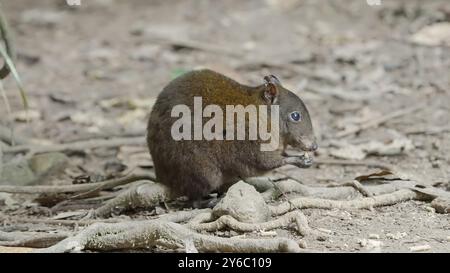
(433, 35)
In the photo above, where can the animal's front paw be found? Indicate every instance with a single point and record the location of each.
(304, 161)
(301, 161)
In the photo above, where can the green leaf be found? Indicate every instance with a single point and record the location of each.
(16, 76)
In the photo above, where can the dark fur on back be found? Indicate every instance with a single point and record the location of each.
(195, 168)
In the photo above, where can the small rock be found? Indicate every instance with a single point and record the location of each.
(441, 205)
(374, 236)
(420, 248)
(371, 245)
(243, 203)
(302, 244)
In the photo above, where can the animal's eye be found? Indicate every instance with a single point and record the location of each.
(295, 116)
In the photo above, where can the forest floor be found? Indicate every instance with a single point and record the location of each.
(93, 71)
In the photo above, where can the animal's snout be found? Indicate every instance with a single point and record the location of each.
(308, 145)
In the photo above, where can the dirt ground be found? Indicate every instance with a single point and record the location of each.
(94, 69)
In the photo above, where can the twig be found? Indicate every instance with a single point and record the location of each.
(363, 203)
(357, 186)
(35, 240)
(403, 40)
(83, 222)
(383, 119)
(333, 193)
(372, 164)
(109, 184)
(198, 45)
(307, 73)
(427, 130)
(341, 93)
(76, 146)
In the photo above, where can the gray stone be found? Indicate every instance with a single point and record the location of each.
(243, 203)
(26, 172)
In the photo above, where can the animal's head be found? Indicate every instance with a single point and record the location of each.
(295, 123)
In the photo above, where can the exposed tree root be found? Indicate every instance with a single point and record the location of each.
(152, 233)
(341, 192)
(166, 231)
(295, 217)
(138, 196)
(363, 203)
(373, 164)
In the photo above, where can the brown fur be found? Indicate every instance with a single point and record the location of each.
(195, 168)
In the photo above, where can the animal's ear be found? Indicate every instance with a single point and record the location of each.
(271, 92)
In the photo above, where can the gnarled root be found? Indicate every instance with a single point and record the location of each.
(138, 196)
(363, 203)
(342, 192)
(295, 217)
(152, 233)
